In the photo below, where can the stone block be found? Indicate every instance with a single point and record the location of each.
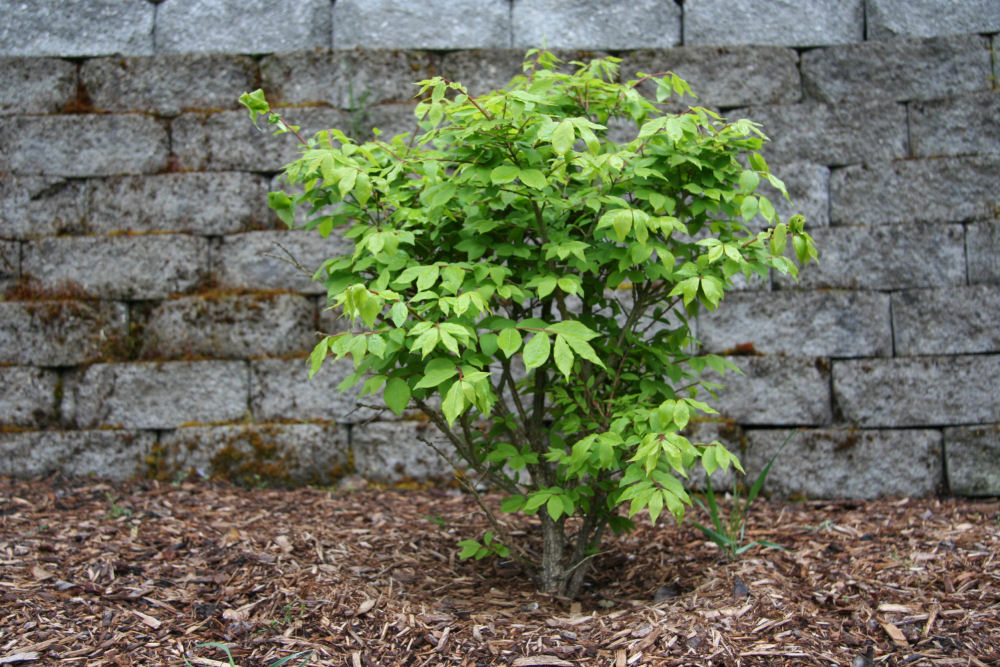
(157, 395)
(782, 23)
(394, 451)
(886, 257)
(972, 460)
(723, 76)
(261, 260)
(169, 84)
(918, 391)
(33, 206)
(776, 390)
(348, 80)
(118, 267)
(83, 145)
(421, 24)
(848, 463)
(928, 18)
(897, 70)
(282, 390)
(936, 190)
(61, 333)
(35, 85)
(210, 204)
(983, 247)
(10, 264)
(390, 119)
(75, 28)
(256, 454)
(28, 396)
(482, 71)
(243, 26)
(831, 135)
(956, 126)
(114, 454)
(808, 186)
(586, 24)
(957, 320)
(830, 323)
(229, 141)
(230, 326)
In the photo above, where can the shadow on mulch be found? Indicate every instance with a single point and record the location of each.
(141, 573)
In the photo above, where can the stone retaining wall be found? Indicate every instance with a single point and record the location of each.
(151, 324)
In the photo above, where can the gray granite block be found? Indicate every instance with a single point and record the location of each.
(33, 206)
(927, 18)
(262, 260)
(956, 126)
(118, 267)
(28, 396)
(983, 245)
(934, 190)
(898, 70)
(114, 454)
(394, 451)
(230, 326)
(781, 22)
(10, 264)
(885, 257)
(956, 320)
(848, 463)
(808, 186)
(281, 389)
(157, 395)
(62, 332)
(421, 24)
(168, 84)
(83, 145)
(972, 460)
(36, 85)
(830, 323)
(776, 390)
(241, 26)
(918, 391)
(600, 24)
(74, 28)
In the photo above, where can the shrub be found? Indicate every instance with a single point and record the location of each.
(528, 283)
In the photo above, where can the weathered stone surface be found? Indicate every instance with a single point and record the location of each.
(962, 320)
(276, 453)
(983, 242)
(208, 204)
(345, 79)
(885, 257)
(60, 333)
(831, 135)
(781, 22)
(91, 145)
(848, 463)
(481, 71)
(33, 206)
(229, 141)
(956, 126)
(114, 454)
(928, 18)
(169, 84)
(421, 24)
(130, 267)
(390, 119)
(157, 395)
(35, 85)
(281, 390)
(829, 323)
(246, 26)
(935, 190)
(76, 27)
(808, 186)
(393, 451)
(922, 391)
(723, 76)
(10, 263)
(972, 460)
(586, 24)
(230, 326)
(28, 396)
(898, 70)
(776, 390)
(257, 260)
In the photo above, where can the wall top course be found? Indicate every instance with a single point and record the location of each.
(421, 24)
(778, 22)
(929, 18)
(595, 24)
(76, 28)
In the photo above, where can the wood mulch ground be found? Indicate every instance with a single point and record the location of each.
(141, 573)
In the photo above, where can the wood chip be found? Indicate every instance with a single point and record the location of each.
(895, 634)
(540, 661)
(18, 657)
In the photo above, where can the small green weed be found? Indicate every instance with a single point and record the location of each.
(729, 532)
(116, 511)
(283, 661)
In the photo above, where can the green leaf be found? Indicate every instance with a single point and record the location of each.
(468, 549)
(554, 507)
(318, 355)
(778, 238)
(504, 174)
(533, 178)
(398, 313)
(397, 395)
(437, 371)
(563, 356)
(512, 504)
(536, 351)
(748, 209)
(749, 181)
(454, 402)
(563, 137)
(509, 341)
